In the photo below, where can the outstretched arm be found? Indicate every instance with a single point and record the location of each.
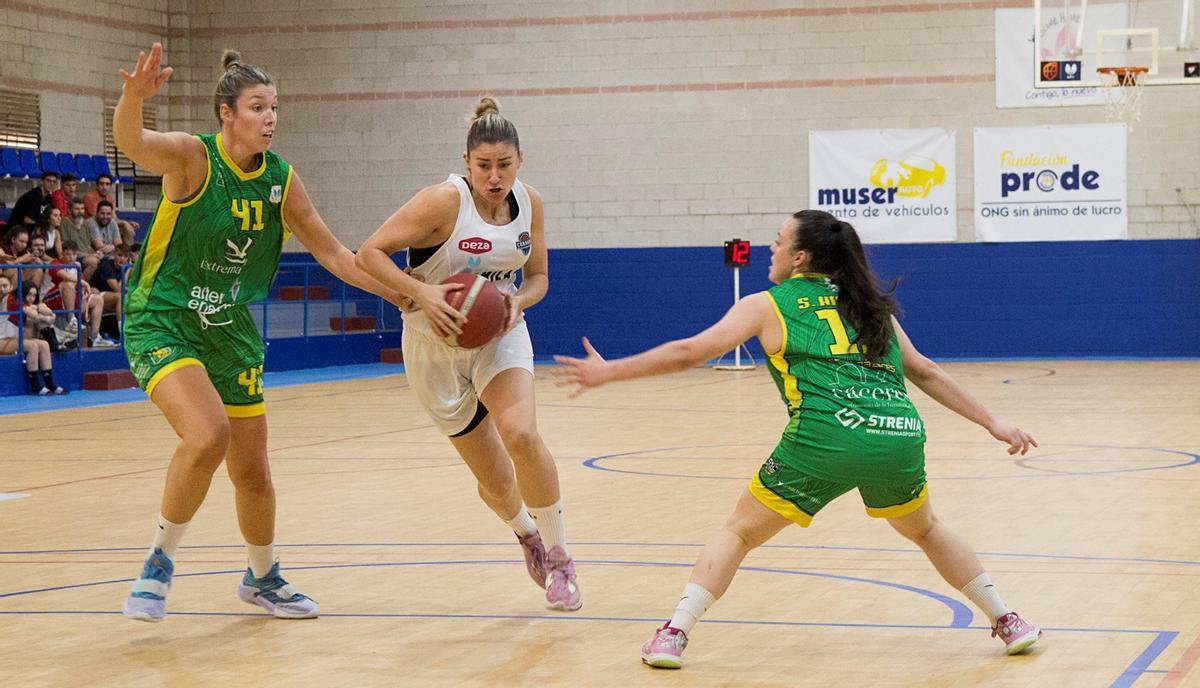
(301, 218)
(744, 320)
(937, 383)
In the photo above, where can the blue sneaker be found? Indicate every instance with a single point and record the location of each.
(148, 599)
(274, 594)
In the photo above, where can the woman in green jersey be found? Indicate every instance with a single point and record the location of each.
(228, 205)
(839, 358)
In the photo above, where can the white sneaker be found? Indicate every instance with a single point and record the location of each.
(102, 342)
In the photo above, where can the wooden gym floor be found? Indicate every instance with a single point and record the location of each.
(1090, 536)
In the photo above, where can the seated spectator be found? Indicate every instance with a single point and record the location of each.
(107, 280)
(37, 250)
(64, 292)
(48, 227)
(37, 318)
(103, 230)
(74, 232)
(30, 205)
(103, 192)
(37, 351)
(15, 249)
(66, 191)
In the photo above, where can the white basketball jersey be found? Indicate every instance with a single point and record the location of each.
(496, 252)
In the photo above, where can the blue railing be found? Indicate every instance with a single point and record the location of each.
(20, 312)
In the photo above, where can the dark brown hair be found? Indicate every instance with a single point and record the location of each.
(237, 78)
(863, 303)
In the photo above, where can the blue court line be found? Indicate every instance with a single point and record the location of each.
(1193, 459)
(15, 405)
(961, 615)
(832, 548)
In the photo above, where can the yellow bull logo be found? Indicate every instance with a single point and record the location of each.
(912, 177)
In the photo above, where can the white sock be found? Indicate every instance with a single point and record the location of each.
(550, 524)
(981, 591)
(167, 536)
(695, 601)
(522, 524)
(262, 558)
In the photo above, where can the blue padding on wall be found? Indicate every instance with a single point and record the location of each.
(980, 300)
(1110, 298)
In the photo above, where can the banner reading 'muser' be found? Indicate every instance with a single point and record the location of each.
(894, 185)
(1052, 183)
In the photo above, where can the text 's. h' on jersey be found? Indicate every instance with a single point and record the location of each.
(220, 248)
(846, 413)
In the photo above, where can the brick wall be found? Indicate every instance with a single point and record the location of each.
(650, 122)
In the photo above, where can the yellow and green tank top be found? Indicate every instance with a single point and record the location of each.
(219, 249)
(840, 404)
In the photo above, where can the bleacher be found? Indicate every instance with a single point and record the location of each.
(26, 163)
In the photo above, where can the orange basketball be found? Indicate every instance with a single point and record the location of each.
(484, 306)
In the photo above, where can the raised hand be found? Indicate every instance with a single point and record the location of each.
(148, 74)
(582, 373)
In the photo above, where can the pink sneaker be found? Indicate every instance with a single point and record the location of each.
(535, 557)
(665, 649)
(561, 592)
(1017, 633)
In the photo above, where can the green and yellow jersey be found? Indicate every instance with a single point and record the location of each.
(850, 418)
(219, 249)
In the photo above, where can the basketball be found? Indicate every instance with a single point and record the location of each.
(484, 306)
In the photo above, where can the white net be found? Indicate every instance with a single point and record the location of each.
(1123, 93)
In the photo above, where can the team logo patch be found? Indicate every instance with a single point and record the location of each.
(159, 354)
(476, 245)
(474, 263)
(276, 193)
(524, 243)
(771, 466)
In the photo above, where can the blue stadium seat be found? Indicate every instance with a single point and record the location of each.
(66, 163)
(10, 164)
(100, 164)
(29, 163)
(49, 162)
(83, 163)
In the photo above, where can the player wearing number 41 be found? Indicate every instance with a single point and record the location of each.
(489, 223)
(227, 207)
(839, 359)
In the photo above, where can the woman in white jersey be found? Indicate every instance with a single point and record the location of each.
(488, 223)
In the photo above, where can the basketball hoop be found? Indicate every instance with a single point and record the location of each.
(1123, 92)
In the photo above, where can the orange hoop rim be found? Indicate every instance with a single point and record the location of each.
(1126, 76)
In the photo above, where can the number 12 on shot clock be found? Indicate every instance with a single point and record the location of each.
(737, 253)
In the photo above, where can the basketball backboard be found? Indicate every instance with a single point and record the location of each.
(1073, 38)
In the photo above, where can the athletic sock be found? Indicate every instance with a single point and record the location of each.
(551, 525)
(981, 591)
(695, 601)
(262, 558)
(522, 524)
(167, 536)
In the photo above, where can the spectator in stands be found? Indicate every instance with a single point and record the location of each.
(49, 227)
(107, 279)
(38, 318)
(65, 291)
(74, 232)
(103, 230)
(15, 249)
(37, 250)
(36, 350)
(103, 192)
(66, 191)
(30, 205)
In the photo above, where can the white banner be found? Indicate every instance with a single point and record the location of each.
(1060, 183)
(1016, 64)
(894, 185)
